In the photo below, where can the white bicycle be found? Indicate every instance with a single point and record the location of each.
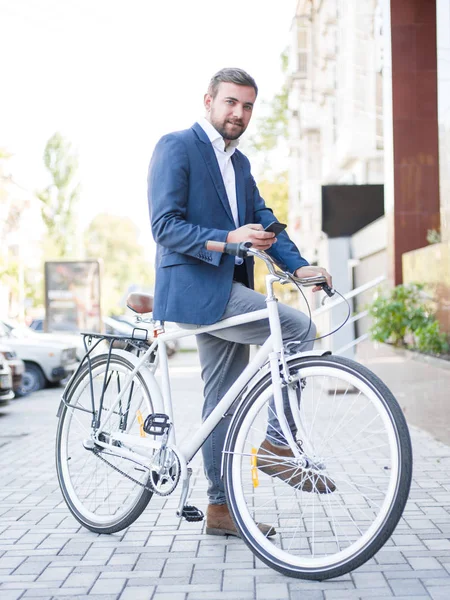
(116, 444)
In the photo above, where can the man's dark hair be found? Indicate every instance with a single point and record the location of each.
(237, 76)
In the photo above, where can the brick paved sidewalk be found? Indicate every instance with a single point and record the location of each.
(45, 553)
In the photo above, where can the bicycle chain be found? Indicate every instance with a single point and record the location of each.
(97, 452)
(149, 488)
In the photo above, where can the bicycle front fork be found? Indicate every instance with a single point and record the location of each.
(280, 379)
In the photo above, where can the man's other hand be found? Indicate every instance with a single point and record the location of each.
(254, 233)
(312, 272)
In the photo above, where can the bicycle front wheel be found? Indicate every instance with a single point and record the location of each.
(336, 506)
(103, 491)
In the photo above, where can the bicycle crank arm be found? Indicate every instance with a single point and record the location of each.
(184, 492)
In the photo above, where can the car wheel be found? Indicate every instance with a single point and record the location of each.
(33, 379)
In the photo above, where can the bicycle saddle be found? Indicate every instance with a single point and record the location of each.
(140, 303)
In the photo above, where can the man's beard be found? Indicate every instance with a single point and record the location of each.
(220, 127)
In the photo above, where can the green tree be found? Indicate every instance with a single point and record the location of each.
(272, 126)
(114, 240)
(59, 199)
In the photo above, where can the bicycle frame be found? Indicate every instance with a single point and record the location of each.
(271, 351)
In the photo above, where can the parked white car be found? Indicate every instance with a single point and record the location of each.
(68, 337)
(47, 360)
(6, 391)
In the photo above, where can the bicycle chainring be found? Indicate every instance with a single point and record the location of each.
(164, 478)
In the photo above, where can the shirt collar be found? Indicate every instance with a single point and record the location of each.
(215, 138)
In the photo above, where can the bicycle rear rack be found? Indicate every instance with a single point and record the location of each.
(138, 341)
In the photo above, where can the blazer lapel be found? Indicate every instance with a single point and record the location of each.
(240, 188)
(207, 151)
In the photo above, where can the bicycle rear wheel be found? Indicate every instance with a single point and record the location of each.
(102, 490)
(357, 439)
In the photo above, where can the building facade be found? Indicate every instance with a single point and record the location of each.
(335, 102)
(369, 104)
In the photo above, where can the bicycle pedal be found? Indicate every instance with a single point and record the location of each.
(192, 514)
(157, 424)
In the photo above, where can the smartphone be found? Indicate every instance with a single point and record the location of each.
(275, 227)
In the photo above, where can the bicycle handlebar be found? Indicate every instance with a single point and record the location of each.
(240, 250)
(243, 249)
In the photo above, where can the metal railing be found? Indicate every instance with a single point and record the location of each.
(356, 317)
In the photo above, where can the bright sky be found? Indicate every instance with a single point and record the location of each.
(113, 76)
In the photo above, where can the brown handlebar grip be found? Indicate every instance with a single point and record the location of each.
(215, 246)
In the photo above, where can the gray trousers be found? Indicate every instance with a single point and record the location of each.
(224, 354)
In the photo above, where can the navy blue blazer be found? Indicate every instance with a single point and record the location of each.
(188, 206)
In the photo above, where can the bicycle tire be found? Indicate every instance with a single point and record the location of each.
(393, 480)
(78, 495)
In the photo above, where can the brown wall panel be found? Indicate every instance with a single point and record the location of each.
(416, 206)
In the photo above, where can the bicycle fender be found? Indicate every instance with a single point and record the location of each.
(255, 383)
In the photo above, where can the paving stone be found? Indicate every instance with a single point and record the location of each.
(431, 582)
(210, 576)
(388, 557)
(11, 594)
(129, 574)
(424, 563)
(144, 564)
(186, 587)
(55, 593)
(354, 594)
(108, 586)
(268, 591)
(439, 593)
(123, 559)
(137, 593)
(407, 587)
(96, 597)
(417, 574)
(53, 574)
(219, 596)
(369, 580)
(306, 595)
(11, 562)
(84, 580)
(439, 544)
(177, 569)
(239, 584)
(31, 567)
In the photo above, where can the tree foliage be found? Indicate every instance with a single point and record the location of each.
(59, 199)
(114, 240)
(272, 126)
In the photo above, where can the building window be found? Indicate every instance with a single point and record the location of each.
(303, 51)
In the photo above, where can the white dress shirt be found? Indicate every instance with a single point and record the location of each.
(223, 155)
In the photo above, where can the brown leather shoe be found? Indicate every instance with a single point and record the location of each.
(219, 522)
(269, 462)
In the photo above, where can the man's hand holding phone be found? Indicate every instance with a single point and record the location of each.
(254, 233)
